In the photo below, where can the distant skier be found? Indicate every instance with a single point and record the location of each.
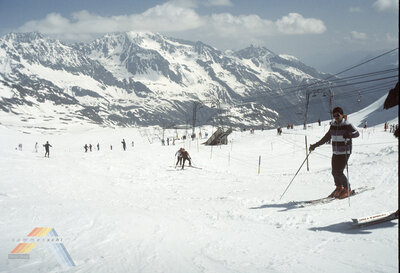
(47, 148)
(86, 148)
(178, 154)
(90, 147)
(98, 146)
(36, 147)
(133, 143)
(341, 132)
(185, 156)
(123, 144)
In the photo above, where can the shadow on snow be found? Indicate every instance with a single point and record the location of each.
(285, 206)
(350, 228)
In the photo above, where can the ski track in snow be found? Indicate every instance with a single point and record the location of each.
(132, 212)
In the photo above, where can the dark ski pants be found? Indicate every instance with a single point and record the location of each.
(179, 161)
(188, 159)
(338, 164)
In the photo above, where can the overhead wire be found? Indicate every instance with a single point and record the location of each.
(255, 98)
(350, 93)
(318, 83)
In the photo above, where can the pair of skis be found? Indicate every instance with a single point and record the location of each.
(326, 200)
(178, 168)
(358, 222)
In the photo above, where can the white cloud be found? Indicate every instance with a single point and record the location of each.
(52, 24)
(177, 18)
(226, 3)
(355, 9)
(358, 35)
(295, 23)
(387, 5)
(166, 17)
(226, 24)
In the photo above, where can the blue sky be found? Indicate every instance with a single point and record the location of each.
(315, 31)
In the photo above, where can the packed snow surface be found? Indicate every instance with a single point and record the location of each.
(132, 211)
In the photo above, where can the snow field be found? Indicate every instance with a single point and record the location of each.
(133, 211)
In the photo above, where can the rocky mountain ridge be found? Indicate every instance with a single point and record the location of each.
(143, 78)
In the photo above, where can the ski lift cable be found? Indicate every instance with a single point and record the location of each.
(331, 87)
(321, 86)
(351, 93)
(331, 76)
(294, 88)
(252, 99)
(355, 66)
(367, 61)
(360, 64)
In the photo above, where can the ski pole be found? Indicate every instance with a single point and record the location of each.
(347, 170)
(295, 175)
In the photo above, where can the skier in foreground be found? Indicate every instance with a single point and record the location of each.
(340, 132)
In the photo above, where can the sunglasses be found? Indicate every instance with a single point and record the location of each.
(336, 115)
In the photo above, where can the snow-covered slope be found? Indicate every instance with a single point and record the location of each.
(132, 211)
(374, 114)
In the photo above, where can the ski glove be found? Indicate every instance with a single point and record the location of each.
(312, 147)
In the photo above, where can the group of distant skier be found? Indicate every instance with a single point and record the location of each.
(89, 147)
(392, 127)
(340, 134)
(46, 148)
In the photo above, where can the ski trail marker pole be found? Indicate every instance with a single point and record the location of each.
(295, 176)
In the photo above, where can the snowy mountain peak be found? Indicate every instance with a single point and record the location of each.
(23, 37)
(144, 78)
(255, 52)
(289, 57)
